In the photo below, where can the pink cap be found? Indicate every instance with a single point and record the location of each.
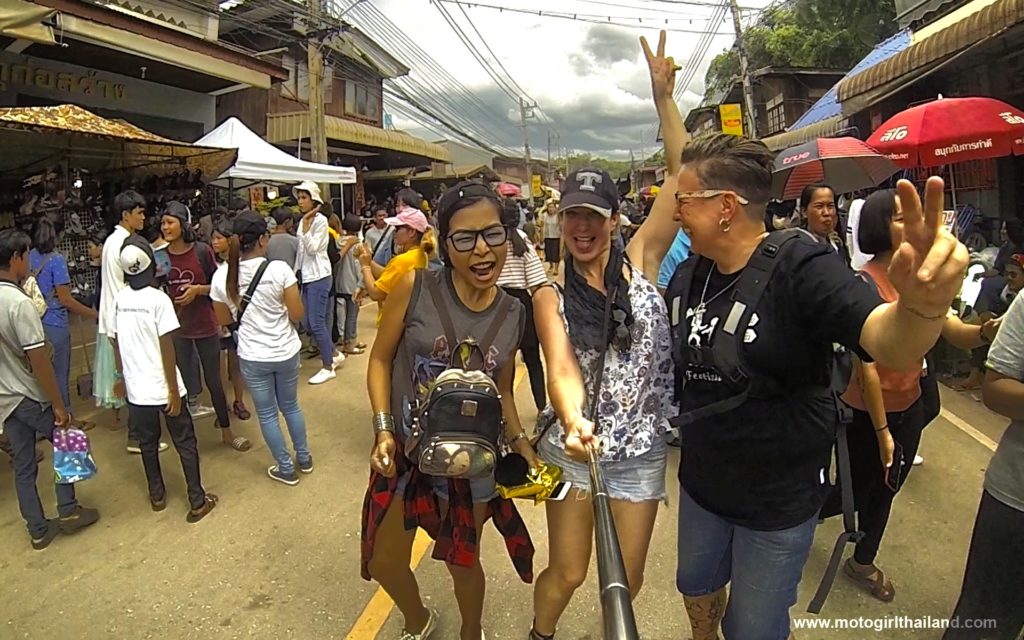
(409, 217)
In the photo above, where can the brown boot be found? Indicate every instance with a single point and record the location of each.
(706, 613)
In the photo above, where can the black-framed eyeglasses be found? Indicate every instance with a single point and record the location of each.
(465, 241)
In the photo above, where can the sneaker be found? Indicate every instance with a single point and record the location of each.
(133, 447)
(339, 359)
(276, 474)
(918, 460)
(307, 466)
(427, 629)
(323, 376)
(52, 529)
(79, 519)
(199, 410)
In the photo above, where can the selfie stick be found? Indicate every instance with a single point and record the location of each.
(616, 602)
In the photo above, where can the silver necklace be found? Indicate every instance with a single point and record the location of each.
(702, 307)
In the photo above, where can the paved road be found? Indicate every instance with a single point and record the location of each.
(274, 561)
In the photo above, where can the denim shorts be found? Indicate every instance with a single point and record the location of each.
(764, 569)
(637, 479)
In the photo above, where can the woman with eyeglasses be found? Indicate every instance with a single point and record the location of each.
(413, 245)
(756, 460)
(636, 390)
(411, 349)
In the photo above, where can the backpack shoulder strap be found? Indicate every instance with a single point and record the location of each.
(35, 272)
(443, 314)
(745, 297)
(204, 252)
(499, 319)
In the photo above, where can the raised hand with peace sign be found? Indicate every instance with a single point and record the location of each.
(929, 267)
(663, 69)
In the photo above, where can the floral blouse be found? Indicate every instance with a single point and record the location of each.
(637, 391)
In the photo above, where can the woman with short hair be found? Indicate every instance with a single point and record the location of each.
(754, 471)
(886, 402)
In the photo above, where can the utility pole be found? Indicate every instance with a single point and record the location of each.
(315, 66)
(525, 113)
(748, 88)
(548, 172)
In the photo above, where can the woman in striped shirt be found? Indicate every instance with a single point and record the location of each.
(522, 274)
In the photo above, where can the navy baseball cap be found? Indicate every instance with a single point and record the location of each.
(590, 188)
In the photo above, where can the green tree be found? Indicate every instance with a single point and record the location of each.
(833, 34)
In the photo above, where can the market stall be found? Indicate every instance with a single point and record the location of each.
(67, 163)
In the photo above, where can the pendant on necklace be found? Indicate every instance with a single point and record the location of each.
(698, 315)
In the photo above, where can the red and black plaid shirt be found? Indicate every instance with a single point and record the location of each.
(455, 538)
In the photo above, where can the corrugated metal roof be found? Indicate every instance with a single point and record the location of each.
(828, 105)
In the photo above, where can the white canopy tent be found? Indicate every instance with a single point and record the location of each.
(260, 161)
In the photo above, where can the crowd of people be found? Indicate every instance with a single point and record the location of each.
(731, 325)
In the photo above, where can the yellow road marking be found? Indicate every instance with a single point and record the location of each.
(375, 614)
(957, 422)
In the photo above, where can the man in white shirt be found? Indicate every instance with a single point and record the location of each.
(314, 267)
(144, 321)
(377, 231)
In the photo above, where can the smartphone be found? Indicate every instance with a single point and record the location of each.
(561, 491)
(895, 472)
(163, 262)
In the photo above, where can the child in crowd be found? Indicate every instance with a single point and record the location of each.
(144, 321)
(347, 282)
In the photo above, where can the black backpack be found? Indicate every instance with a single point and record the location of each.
(458, 425)
(724, 355)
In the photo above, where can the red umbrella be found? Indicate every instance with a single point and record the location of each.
(845, 164)
(509, 189)
(950, 130)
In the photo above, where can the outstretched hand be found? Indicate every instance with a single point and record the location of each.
(929, 267)
(663, 70)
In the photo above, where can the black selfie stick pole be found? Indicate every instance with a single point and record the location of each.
(616, 602)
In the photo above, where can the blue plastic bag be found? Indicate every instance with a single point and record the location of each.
(72, 460)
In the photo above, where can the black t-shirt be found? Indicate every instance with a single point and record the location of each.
(765, 464)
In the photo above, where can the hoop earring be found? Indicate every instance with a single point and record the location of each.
(724, 225)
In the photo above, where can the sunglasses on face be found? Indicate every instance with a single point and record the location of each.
(465, 241)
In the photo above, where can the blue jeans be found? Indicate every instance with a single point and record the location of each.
(316, 296)
(60, 339)
(763, 566)
(273, 386)
(29, 420)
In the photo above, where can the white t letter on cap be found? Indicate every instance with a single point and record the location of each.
(587, 180)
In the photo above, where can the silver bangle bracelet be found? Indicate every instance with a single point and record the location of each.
(383, 421)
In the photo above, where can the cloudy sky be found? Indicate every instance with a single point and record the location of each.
(589, 79)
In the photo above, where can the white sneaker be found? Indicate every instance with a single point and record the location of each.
(199, 410)
(427, 630)
(339, 358)
(918, 460)
(323, 376)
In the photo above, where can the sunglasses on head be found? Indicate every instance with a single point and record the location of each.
(465, 241)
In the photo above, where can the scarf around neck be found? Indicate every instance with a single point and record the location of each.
(584, 306)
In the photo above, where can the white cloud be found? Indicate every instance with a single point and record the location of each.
(590, 79)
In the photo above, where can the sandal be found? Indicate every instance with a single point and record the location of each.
(874, 582)
(84, 425)
(240, 411)
(195, 515)
(353, 351)
(240, 444)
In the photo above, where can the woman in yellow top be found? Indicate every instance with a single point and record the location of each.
(413, 244)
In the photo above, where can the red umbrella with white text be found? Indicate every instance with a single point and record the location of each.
(951, 130)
